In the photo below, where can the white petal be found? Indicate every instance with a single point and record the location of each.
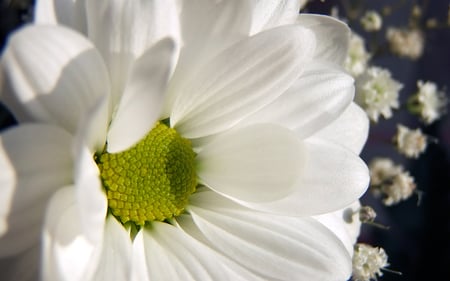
(270, 13)
(344, 223)
(170, 254)
(317, 98)
(35, 160)
(275, 247)
(332, 34)
(350, 130)
(332, 177)
(257, 163)
(56, 75)
(94, 126)
(116, 254)
(91, 199)
(240, 80)
(67, 254)
(141, 103)
(67, 12)
(22, 267)
(208, 27)
(123, 30)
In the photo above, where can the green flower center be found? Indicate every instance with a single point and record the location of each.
(152, 180)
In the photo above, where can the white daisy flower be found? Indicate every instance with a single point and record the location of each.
(377, 92)
(202, 156)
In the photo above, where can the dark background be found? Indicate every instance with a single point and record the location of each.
(418, 241)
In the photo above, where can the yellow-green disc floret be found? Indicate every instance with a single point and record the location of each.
(152, 180)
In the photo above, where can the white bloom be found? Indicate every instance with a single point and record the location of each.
(390, 181)
(371, 21)
(357, 57)
(377, 92)
(368, 262)
(264, 126)
(401, 188)
(382, 169)
(405, 42)
(429, 103)
(410, 143)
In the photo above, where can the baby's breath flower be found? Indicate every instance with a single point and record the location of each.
(410, 143)
(404, 42)
(371, 21)
(401, 188)
(357, 57)
(368, 262)
(377, 93)
(367, 214)
(428, 102)
(390, 181)
(382, 169)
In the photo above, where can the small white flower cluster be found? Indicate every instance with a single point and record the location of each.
(410, 143)
(428, 102)
(357, 57)
(368, 262)
(377, 92)
(390, 181)
(404, 42)
(367, 214)
(371, 21)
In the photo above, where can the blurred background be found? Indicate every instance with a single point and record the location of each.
(418, 240)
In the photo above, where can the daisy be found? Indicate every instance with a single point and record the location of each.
(193, 144)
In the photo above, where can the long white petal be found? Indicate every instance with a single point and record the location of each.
(55, 75)
(91, 199)
(66, 12)
(142, 101)
(269, 13)
(116, 254)
(35, 161)
(259, 163)
(274, 247)
(316, 99)
(171, 254)
(208, 27)
(350, 130)
(332, 177)
(241, 80)
(67, 254)
(332, 34)
(123, 30)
